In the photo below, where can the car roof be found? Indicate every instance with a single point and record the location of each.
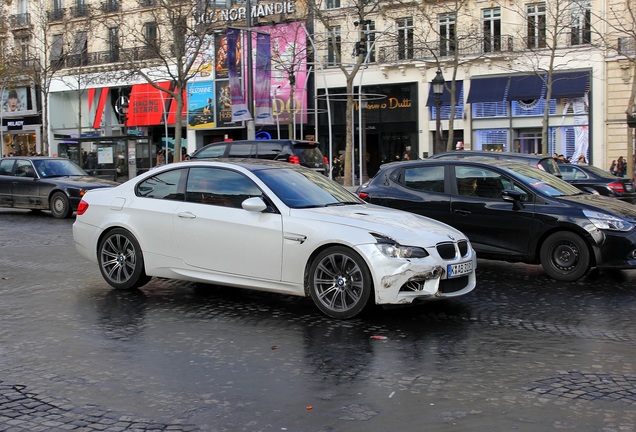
(490, 154)
(35, 157)
(487, 162)
(250, 164)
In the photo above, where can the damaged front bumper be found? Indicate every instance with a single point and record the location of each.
(403, 281)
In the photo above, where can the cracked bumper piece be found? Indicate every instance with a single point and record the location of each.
(403, 281)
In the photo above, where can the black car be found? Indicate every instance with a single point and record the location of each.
(592, 179)
(305, 153)
(45, 183)
(544, 162)
(513, 212)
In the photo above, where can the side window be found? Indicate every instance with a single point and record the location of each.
(479, 182)
(425, 178)
(214, 151)
(6, 166)
(24, 168)
(567, 172)
(269, 150)
(242, 150)
(167, 185)
(221, 187)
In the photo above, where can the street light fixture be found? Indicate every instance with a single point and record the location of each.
(438, 89)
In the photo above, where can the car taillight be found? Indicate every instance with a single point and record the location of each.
(326, 160)
(617, 187)
(363, 195)
(294, 160)
(82, 207)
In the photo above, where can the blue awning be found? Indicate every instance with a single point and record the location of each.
(487, 89)
(525, 87)
(570, 84)
(446, 97)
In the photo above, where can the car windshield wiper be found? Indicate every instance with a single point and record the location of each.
(342, 203)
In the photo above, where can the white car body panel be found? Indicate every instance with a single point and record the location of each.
(269, 251)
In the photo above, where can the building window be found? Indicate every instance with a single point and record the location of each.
(369, 38)
(581, 22)
(150, 33)
(446, 34)
(333, 4)
(334, 43)
(23, 49)
(491, 24)
(405, 38)
(79, 54)
(57, 49)
(113, 44)
(81, 9)
(536, 25)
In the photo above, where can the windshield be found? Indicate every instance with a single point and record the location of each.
(543, 182)
(57, 168)
(305, 188)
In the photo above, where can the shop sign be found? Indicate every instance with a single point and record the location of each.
(15, 124)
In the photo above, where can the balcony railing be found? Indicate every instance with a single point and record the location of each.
(111, 6)
(627, 46)
(446, 48)
(79, 11)
(20, 20)
(105, 57)
(56, 14)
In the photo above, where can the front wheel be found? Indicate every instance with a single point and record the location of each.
(121, 261)
(565, 257)
(340, 283)
(60, 206)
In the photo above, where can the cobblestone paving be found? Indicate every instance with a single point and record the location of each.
(523, 353)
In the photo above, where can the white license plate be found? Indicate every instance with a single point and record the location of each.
(460, 269)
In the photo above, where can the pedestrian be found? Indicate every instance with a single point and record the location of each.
(581, 160)
(621, 167)
(160, 158)
(612, 168)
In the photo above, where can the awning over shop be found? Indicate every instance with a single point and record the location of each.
(487, 89)
(446, 96)
(525, 87)
(570, 84)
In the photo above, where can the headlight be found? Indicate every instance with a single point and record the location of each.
(607, 222)
(390, 248)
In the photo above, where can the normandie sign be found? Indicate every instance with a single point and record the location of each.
(258, 11)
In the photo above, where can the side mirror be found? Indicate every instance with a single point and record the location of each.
(254, 204)
(515, 197)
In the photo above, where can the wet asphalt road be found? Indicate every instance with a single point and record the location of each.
(520, 353)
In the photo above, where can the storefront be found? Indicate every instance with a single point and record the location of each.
(20, 125)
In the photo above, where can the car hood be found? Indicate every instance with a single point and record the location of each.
(603, 204)
(405, 228)
(83, 181)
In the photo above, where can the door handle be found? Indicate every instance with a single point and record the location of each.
(462, 212)
(186, 215)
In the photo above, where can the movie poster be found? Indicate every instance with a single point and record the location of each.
(201, 105)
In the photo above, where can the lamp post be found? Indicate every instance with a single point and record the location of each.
(438, 90)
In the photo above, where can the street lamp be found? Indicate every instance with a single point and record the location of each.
(438, 89)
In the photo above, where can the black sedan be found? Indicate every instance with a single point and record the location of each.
(45, 183)
(592, 179)
(513, 212)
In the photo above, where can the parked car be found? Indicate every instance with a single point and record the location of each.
(544, 162)
(270, 226)
(305, 153)
(513, 212)
(595, 180)
(45, 183)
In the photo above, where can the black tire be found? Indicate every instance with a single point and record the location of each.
(565, 256)
(340, 283)
(60, 206)
(121, 261)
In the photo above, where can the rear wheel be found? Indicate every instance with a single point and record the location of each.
(121, 261)
(565, 256)
(60, 206)
(340, 283)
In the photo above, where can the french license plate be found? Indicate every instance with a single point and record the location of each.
(460, 269)
(629, 187)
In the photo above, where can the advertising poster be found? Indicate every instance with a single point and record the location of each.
(14, 100)
(263, 81)
(220, 57)
(201, 105)
(200, 62)
(224, 105)
(240, 110)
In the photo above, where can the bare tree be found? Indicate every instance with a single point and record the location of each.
(346, 53)
(548, 45)
(174, 36)
(619, 36)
